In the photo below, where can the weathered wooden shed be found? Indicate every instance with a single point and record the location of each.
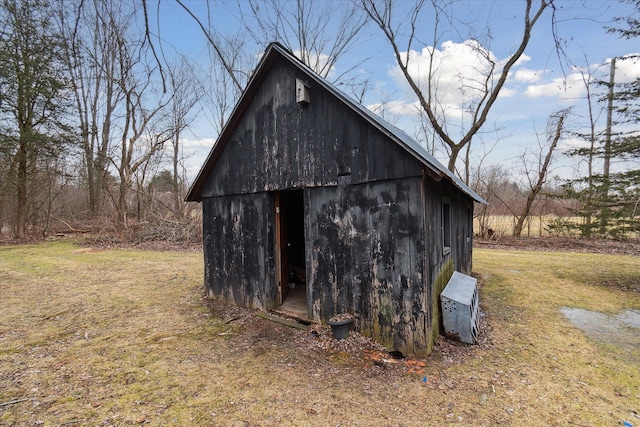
(307, 188)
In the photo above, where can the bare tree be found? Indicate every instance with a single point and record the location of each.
(592, 137)
(185, 98)
(134, 130)
(140, 137)
(537, 177)
(92, 53)
(128, 107)
(607, 149)
(405, 34)
(214, 43)
(141, 177)
(48, 183)
(495, 185)
(319, 33)
(220, 90)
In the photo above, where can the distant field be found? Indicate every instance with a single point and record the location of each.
(502, 225)
(116, 337)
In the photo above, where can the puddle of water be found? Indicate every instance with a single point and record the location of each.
(622, 329)
(630, 318)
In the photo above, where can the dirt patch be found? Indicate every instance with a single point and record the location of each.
(356, 350)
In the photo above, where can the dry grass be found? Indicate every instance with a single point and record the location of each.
(535, 226)
(122, 337)
(574, 378)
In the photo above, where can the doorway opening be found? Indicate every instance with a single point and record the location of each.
(291, 257)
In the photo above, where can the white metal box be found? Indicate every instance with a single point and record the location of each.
(460, 308)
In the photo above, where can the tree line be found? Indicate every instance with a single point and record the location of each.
(88, 118)
(94, 113)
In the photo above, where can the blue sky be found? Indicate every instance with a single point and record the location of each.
(541, 83)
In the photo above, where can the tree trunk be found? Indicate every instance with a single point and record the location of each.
(453, 158)
(542, 175)
(176, 182)
(21, 187)
(122, 202)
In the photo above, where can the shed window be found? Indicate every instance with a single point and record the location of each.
(446, 226)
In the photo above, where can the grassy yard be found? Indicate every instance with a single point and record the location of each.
(124, 337)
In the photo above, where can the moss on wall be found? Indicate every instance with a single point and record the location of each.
(439, 284)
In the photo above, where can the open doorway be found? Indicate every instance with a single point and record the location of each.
(291, 258)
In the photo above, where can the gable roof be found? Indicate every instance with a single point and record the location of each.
(275, 50)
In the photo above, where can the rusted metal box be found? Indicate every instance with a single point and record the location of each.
(460, 308)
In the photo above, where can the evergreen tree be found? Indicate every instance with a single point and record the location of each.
(32, 99)
(624, 184)
(610, 198)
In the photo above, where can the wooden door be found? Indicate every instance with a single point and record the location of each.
(282, 261)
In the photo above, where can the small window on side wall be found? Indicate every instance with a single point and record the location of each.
(446, 226)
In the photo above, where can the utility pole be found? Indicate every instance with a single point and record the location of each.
(607, 152)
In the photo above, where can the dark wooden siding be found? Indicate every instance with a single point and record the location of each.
(373, 219)
(462, 232)
(461, 215)
(238, 233)
(278, 144)
(440, 265)
(366, 253)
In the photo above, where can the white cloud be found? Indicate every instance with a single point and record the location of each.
(458, 70)
(195, 152)
(525, 75)
(627, 68)
(566, 144)
(458, 75)
(197, 144)
(569, 88)
(572, 86)
(524, 58)
(317, 62)
(506, 92)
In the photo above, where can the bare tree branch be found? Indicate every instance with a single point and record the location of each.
(313, 30)
(213, 44)
(147, 36)
(381, 14)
